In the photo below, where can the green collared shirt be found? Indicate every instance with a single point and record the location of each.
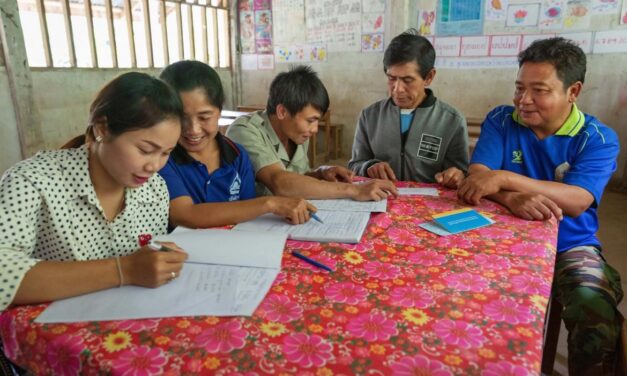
(575, 120)
(256, 134)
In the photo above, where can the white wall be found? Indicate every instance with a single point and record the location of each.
(63, 97)
(355, 80)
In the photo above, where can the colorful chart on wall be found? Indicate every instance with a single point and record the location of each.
(460, 17)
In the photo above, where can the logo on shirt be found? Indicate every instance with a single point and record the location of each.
(560, 171)
(517, 156)
(429, 147)
(235, 188)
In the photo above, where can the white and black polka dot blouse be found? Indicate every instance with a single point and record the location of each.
(49, 211)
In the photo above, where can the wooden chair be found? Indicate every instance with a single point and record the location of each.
(250, 107)
(474, 130)
(552, 326)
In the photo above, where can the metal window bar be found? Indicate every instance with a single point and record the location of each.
(65, 6)
(128, 15)
(90, 31)
(148, 32)
(164, 32)
(112, 44)
(43, 25)
(211, 50)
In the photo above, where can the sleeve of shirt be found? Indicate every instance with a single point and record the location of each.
(490, 146)
(20, 203)
(174, 182)
(362, 156)
(457, 152)
(245, 169)
(251, 138)
(596, 162)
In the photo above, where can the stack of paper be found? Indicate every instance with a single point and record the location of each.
(227, 274)
(337, 226)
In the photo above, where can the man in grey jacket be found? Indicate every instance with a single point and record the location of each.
(411, 135)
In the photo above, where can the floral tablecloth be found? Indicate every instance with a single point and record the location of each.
(403, 301)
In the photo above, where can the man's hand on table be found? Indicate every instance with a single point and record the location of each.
(450, 178)
(373, 190)
(335, 173)
(381, 170)
(531, 206)
(480, 184)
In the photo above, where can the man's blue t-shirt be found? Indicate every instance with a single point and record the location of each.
(582, 153)
(233, 180)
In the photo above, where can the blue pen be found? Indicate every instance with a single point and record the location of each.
(310, 261)
(315, 216)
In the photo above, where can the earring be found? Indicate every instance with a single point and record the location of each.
(98, 139)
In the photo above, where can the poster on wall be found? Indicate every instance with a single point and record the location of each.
(263, 31)
(289, 18)
(372, 42)
(247, 32)
(426, 22)
(577, 14)
(460, 17)
(495, 10)
(523, 15)
(623, 13)
(604, 6)
(300, 54)
(551, 14)
(336, 24)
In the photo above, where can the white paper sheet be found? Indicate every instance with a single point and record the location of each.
(351, 205)
(341, 227)
(201, 290)
(221, 247)
(418, 192)
(228, 273)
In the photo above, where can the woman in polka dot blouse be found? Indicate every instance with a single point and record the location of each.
(210, 178)
(70, 219)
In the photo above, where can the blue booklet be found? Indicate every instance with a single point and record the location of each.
(461, 220)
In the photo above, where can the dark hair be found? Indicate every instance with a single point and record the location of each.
(568, 59)
(296, 89)
(130, 102)
(408, 47)
(188, 75)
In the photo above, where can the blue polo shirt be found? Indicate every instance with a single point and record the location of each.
(582, 153)
(233, 180)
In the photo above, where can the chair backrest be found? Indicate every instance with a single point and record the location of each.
(250, 107)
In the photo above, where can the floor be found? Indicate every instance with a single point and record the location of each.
(613, 236)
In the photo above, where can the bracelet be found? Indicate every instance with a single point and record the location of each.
(117, 262)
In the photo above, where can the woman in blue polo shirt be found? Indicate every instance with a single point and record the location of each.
(210, 178)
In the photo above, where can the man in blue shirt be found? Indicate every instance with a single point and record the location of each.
(545, 158)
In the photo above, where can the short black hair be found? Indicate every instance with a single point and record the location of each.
(134, 101)
(568, 59)
(189, 75)
(296, 89)
(407, 47)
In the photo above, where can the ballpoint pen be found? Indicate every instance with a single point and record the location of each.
(160, 247)
(310, 261)
(315, 216)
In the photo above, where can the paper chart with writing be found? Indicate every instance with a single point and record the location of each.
(341, 227)
(334, 23)
(289, 18)
(351, 205)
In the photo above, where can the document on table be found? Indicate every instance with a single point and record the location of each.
(226, 277)
(222, 247)
(200, 290)
(338, 226)
(351, 205)
(418, 192)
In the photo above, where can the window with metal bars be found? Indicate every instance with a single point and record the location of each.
(125, 33)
